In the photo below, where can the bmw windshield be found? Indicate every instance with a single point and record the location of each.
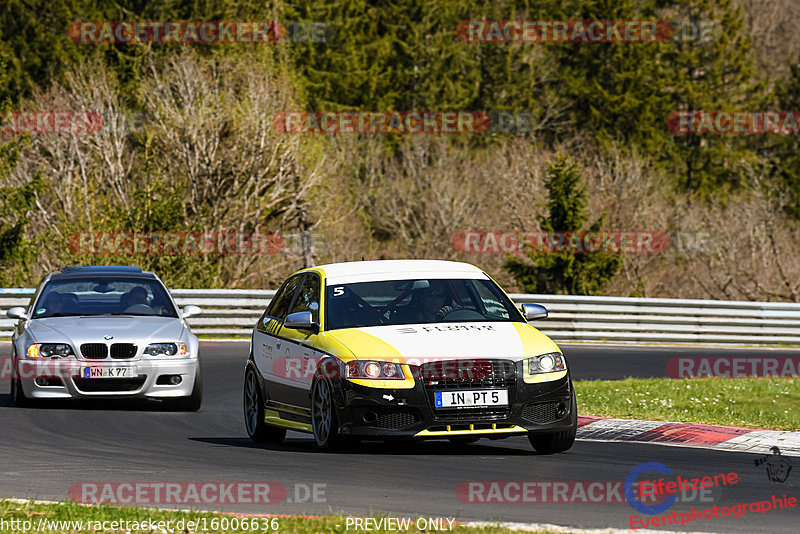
(103, 296)
(400, 302)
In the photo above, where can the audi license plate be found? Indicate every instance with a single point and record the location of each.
(471, 398)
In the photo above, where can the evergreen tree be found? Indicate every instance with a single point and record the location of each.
(783, 150)
(710, 72)
(565, 273)
(34, 43)
(16, 252)
(614, 90)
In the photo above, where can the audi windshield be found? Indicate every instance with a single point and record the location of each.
(400, 302)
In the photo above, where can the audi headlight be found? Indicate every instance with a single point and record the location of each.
(547, 363)
(167, 349)
(374, 370)
(49, 350)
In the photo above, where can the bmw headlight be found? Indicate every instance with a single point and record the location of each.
(547, 363)
(50, 350)
(166, 349)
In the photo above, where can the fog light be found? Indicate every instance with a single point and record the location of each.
(168, 380)
(561, 410)
(47, 381)
(369, 417)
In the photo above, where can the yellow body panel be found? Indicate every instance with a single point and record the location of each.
(271, 417)
(363, 346)
(471, 431)
(535, 343)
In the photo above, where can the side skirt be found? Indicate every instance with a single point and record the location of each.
(288, 416)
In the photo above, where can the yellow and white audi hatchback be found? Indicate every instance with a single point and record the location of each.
(409, 349)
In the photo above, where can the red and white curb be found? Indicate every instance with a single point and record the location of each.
(726, 438)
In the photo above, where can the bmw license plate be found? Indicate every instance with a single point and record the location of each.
(97, 371)
(471, 398)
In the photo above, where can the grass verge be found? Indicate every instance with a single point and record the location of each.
(768, 403)
(41, 517)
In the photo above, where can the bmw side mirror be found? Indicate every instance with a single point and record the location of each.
(17, 312)
(191, 311)
(301, 321)
(533, 311)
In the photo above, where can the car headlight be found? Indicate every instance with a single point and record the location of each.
(49, 350)
(547, 363)
(374, 370)
(166, 349)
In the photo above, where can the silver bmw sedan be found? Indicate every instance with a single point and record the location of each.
(105, 332)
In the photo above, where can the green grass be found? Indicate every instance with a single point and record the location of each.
(68, 511)
(769, 403)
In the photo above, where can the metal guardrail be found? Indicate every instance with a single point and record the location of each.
(233, 312)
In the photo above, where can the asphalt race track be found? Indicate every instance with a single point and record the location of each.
(46, 450)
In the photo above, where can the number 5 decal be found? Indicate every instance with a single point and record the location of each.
(338, 291)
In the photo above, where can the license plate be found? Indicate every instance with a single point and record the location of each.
(471, 398)
(97, 371)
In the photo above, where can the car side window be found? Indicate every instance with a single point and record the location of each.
(308, 298)
(280, 305)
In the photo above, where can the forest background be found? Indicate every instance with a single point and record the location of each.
(188, 142)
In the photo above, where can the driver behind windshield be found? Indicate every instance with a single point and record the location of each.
(54, 304)
(135, 300)
(432, 303)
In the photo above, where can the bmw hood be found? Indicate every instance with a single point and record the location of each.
(445, 341)
(124, 329)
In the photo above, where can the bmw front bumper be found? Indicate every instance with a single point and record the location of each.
(64, 378)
